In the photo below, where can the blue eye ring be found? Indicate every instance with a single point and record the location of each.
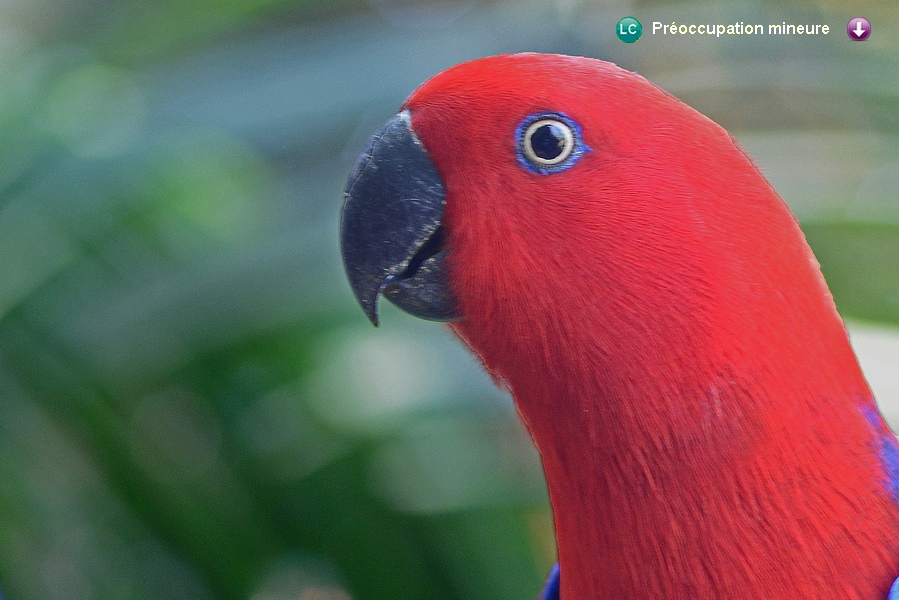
(548, 142)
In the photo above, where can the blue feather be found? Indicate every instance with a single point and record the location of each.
(551, 591)
(888, 450)
(887, 447)
(894, 591)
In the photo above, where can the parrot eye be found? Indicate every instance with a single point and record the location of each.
(548, 143)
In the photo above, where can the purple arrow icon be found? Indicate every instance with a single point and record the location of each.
(858, 29)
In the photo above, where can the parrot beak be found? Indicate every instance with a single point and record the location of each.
(391, 230)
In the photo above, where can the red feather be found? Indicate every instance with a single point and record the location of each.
(669, 339)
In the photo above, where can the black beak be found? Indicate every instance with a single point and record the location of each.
(391, 230)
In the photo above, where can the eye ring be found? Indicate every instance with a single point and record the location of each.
(553, 137)
(548, 143)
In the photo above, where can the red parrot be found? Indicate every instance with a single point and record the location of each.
(616, 260)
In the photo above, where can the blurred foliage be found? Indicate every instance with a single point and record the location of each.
(871, 292)
(193, 406)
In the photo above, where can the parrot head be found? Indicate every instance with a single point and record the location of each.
(621, 265)
(490, 165)
(514, 192)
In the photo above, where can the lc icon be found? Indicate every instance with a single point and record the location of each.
(629, 30)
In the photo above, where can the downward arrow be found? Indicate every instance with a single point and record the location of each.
(859, 31)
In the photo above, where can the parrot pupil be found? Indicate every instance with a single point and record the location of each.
(548, 141)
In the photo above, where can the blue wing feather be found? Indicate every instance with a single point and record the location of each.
(551, 591)
(894, 591)
(888, 448)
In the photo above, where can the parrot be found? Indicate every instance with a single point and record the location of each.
(620, 265)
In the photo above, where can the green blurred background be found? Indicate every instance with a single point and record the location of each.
(191, 403)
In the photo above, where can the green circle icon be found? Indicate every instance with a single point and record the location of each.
(629, 30)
